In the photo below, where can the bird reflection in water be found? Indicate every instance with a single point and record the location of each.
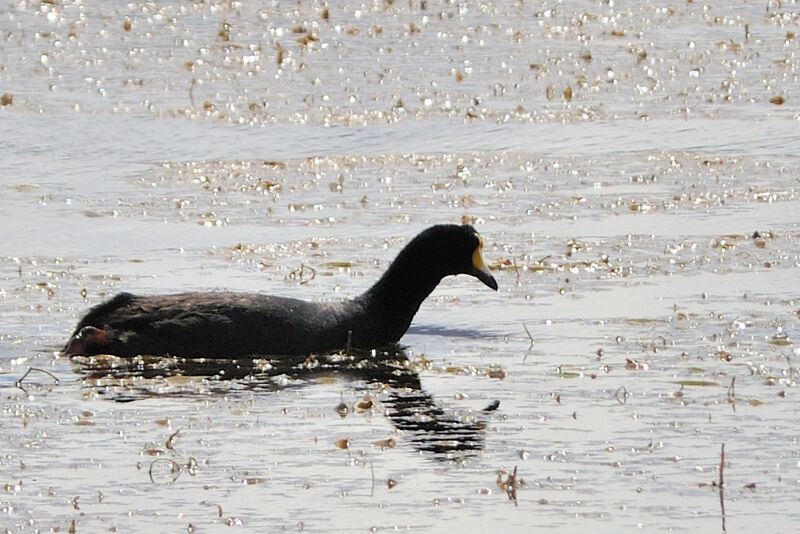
(427, 426)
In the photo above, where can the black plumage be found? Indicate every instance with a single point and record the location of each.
(229, 325)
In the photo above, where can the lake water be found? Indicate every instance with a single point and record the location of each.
(634, 169)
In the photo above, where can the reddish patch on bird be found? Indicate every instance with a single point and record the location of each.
(88, 340)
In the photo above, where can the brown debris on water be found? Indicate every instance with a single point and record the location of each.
(279, 55)
(308, 39)
(636, 365)
(342, 408)
(511, 484)
(172, 438)
(364, 405)
(780, 339)
(388, 443)
(496, 372)
(224, 32)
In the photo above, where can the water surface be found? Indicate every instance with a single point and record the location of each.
(632, 167)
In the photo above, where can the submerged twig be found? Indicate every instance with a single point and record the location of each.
(372, 469)
(530, 337)
(18, 383)
(512, 486)
(721, 485)
(732, 393)
(191, 92)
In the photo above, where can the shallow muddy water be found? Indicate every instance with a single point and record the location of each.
(632, 167)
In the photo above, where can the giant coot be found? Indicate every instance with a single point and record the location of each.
(230, 325)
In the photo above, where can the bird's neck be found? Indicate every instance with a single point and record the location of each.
(402, 288)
